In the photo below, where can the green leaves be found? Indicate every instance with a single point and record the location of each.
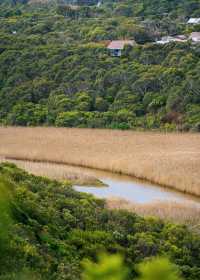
(108, 268)
(112, 267)
(5, 214)
(158, 269)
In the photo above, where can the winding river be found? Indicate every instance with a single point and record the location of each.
(133, 190)
(117, 186)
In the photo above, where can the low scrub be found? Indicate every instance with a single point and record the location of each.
(53, 228)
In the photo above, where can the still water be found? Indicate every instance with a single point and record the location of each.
(133, 190)
(118, 186)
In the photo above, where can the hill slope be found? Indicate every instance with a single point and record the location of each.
(55, 68)
(54, 228)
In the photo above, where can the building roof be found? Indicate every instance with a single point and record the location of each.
(99, 4)
(120, 44)
(168, 39)
(194, 20)
(181, 37)
(195, 36)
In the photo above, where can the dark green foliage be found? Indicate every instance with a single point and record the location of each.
(54, 228)
(55, 68)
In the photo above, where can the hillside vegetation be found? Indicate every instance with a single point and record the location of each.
(55, 68)
(48, 229)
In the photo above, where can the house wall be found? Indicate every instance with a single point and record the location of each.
(116, 52)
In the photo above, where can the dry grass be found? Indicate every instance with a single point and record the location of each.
(58, 172)
(177, 212)
(171, 160)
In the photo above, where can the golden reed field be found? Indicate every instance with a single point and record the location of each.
(169, 159)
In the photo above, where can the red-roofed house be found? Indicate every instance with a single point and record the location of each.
(117, 46)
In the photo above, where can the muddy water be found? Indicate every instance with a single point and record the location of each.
(133, 190)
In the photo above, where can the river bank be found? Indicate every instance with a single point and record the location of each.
(58, 172)
(123, 192)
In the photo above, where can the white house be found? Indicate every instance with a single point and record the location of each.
(99, 4)
(194, 21)
(195, 37)
(117, 46)
(169, 39)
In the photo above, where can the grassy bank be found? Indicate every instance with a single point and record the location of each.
(172, 211)
(171, 160)
(179, 212)
(59, 172)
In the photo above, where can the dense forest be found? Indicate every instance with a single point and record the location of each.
(48, 230)
(55, 68)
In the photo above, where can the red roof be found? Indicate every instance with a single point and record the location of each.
(120, 44)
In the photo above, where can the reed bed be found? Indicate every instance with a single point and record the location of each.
(172, 211)
(168, 159)
(58, 172)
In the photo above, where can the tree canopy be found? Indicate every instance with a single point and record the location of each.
(55, 68)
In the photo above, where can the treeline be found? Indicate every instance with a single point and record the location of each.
(48, 229)
(157, 8)
(55, 70)
(144, 8)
